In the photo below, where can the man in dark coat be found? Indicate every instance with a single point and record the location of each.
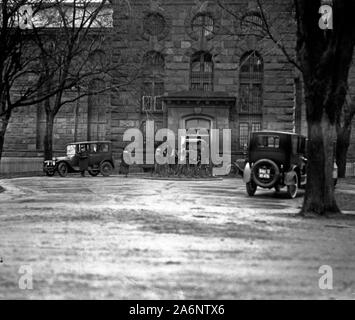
(124, 166)
(83, 160)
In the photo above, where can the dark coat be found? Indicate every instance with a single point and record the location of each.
(83, 160)
(124, 166)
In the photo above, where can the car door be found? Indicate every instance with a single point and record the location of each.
(94, 155)
(74, 161)
(104, 152)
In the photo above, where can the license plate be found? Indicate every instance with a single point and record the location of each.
(264, 173)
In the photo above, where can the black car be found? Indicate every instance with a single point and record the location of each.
(275, 160)
(99, 157)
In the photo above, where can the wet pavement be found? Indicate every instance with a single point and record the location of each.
(138, 238)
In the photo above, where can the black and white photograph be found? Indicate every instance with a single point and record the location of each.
(177, 150)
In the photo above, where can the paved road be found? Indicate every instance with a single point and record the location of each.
(134, 238)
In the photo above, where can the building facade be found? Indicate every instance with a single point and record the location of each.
(203, 67)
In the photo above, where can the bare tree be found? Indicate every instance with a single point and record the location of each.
(18, 83)
(324, 58)
(344, 126)
(73, 53)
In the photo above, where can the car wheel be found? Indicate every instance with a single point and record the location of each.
(93, 173)
(293, 189)
(106, 169)
(63, 169)
(251, 188)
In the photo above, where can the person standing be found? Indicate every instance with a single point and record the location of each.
(83, 160)
(124, 166)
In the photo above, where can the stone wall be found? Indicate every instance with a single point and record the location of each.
(226, 46)
(131, 41)
(24, 137)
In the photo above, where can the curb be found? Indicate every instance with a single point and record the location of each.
(182, 179)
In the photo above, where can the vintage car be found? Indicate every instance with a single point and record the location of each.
(275, 160)
(100, 159)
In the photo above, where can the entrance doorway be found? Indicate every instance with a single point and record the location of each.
(195, 124)
(198, 132)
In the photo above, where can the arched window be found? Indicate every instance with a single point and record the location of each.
(201, 77)
(153, 86)
(97, 59)
(251, 81)
(97, 102)
(250, 95)
(203, 25)
(252, 24)
(154, 24)
(154, 61)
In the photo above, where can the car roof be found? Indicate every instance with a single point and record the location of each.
(87, 142)
(278, 132)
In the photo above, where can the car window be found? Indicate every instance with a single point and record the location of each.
(267, 141)
(93, 148)
(103, 147)
(71, 150)
(83, 147)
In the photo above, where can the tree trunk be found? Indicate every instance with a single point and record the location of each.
(4, 121)
(344, 126)
(48, 138)
(343, 142)
(319, 197)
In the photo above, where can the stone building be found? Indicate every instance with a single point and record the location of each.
(203, 67)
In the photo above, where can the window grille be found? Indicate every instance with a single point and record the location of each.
(251, 80)
(203, 24)
(147, 103)
(201, 77)
(154, 60)
(252, 24)
(97, 102)
(243, 135)
(154, 24)
(152, 98)
(247, 124)
(255, 126)
(153, 88)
